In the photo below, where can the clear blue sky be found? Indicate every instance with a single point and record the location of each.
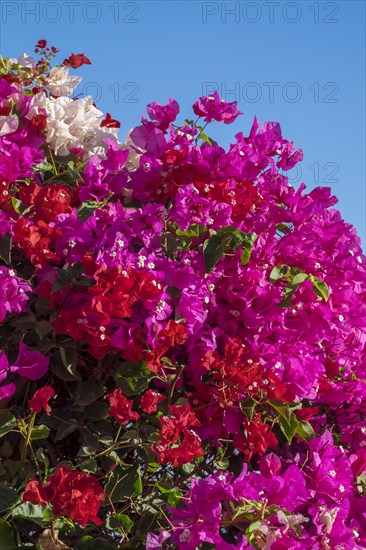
(299, 63)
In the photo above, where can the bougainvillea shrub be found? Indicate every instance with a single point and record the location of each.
(182, 332)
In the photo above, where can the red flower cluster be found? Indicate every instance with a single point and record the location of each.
(89, 315)
(76, 495)
(36, 241)
(178, 444)
(258, 438)
(121, 408)
(40, 400)
(150, 400)
(173, 333)
(110, 122)
(236, 375)
(76, 60)
(34, 236)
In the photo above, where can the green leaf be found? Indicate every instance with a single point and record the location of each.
(40, 432)
(320, 288)
(287, 419)
(7, 422)
(8, 537)
(288, 292)
(245, 255)
(89, 391)
(278, 272)
(299, 278)
(66, 429)
(90, 466)
(248, 407)
(5, 248)
(90, 444)
(64, 524)
(87, 208)
(64, 364)
(205, 138)
(96, 410)
(305, 430)
(57, 285)
(192, 231)
(120, 523)
(253, 527)
(171, 495)
(135, 375)
(281, 408)
(90, 543)
(17, 205)
(8, 495)
(213, 251)
(42, 328)
(123, 484)
(72, 169)
(289, 427)
(34, 513)
(43, 167)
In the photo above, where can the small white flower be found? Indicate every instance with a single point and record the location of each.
(151, 265)
(61, 83)
(332, 473)
(141, 261)
(185, 536)
(341, 318)
(235, 312)
(160, 306)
